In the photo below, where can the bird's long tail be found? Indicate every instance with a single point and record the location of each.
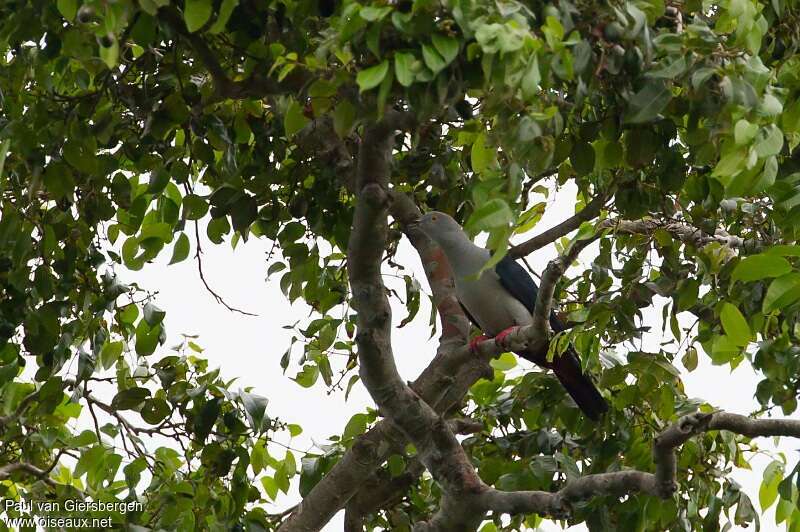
(580, 387)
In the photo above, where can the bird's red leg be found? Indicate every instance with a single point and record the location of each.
(501, 336)
(473, 344)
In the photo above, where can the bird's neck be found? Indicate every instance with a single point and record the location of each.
(465, 258)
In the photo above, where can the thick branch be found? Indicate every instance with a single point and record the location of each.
(661, 484)
(436, 445)
(753, 428)
(684, 232)
(9, 469)
(442, 384)
(589, 212)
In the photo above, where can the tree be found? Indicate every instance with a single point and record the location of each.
(325, 127)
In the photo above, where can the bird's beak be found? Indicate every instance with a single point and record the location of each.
(414, 225)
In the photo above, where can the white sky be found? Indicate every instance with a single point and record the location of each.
(250, 348)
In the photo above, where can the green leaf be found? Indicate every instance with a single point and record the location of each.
(531, 79)
(255, 407)
(154, 411)
(344, 118)
(432, 59)
(80, 156)
(782, 292)
(403, 63)
(153, 315)
(307, 376)
(146, 338)
(645, 105)
(396, 465)
(294, 120)
(373, 13)
(206, 418)
(768, 492)
(67, 8)
(110, 354)
(181, 249)
(159, 179)
(3, 154)
(745, 513)
(582, 158)
(689, 359)
(744, 132)
(761, 266)
(769, 141)
(504, 362)
(483, 155)
(372, 77)
(784, 250)
(217, 229)
(244, 212)
(491, 215)
(225, 11)
(258, 457)
(42, 329)
(735, 325)
(446, 46)
(355, 426)
(159, 231)
(196, 13)
(730, 164)
(270, 487)
(110, 54)
(194, 207)
(130, 399)
(59, 181)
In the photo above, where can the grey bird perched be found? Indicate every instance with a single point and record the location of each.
(502, 299)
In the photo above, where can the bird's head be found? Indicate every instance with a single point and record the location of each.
(440, 227)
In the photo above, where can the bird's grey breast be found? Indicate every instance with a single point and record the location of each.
(491, 305)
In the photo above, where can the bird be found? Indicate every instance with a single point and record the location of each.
(503, 299)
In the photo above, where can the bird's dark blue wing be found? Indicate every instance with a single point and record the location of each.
(519, 283)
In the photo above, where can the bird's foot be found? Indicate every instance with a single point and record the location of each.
(473, 344)
(502, 335)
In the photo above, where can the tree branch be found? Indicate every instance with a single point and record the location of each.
(21, 407)
(684, 232)
(661, 484)
(589, 212)
(436, 445)
(255, 85)
(442, 384)
(42, 474)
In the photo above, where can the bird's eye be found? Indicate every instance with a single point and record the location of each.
(433, 218)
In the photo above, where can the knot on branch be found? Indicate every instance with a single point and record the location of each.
(666, 488)
(374, 195)
(694, 423)
(446, 380)
(558, 265)
(364, 450)
(560, 508)
(487, 372)
(683, 429)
